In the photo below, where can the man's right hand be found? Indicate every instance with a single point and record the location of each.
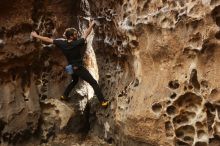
(88, 30)
(34, 34)
(42, 38)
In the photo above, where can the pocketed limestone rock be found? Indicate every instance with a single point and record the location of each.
(55, 116)
(157, 62)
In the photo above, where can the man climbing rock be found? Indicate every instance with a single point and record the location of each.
(71, 47)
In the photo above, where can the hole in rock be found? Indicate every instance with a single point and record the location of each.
(214, 141)
(196, 37)
(6, 136)
(208, 48)
(210, 107)
(57, 111)
(216, 15)
(184, 117)
(199, 125)
(181, 143)
(214, 93)
(190, 87)
(174, 84)
(168, 126)
(169, 129)
(187, 130)
(217, 19)
(125, 6)
(204, 84)
(201, 134)
(146, 5)
(134, 43)
(129, 23)
(2, 32)
(172, 96)
(194, 79)
(26, 99)
(210, 120)
(108, 76)
(180, 119)
(196, 23)
(157, 107)
(120, 95)
(2, 125)
(218, 109)
(110, 140)
(190, 53)
(213, 2)
(119, 42)
(188, 139)
(179, 133)
(199, 143)
(13, 75)
(43, 97)
(217, 35)
(166, 23)
(189, 101)
(136, 82)
(45, 81)
(168, 102)
(171, 110)
(81, 123)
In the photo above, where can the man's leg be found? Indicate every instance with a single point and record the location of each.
(74, 81)
(85, 75)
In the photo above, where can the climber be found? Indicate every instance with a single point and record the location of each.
(71, 47)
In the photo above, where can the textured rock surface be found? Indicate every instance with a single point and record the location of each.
(158, 63)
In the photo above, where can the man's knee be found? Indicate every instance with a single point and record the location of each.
(93, 82)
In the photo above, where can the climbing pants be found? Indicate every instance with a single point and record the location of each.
(83, 73)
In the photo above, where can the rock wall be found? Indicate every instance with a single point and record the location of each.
(32, 73)
(161, 69)
(157, 63)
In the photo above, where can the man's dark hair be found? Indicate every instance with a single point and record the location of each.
(69, 32)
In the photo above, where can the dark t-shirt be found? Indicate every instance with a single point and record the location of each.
(72, 50)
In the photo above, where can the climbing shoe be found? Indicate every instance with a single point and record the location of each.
(105, 103)
(63, 98)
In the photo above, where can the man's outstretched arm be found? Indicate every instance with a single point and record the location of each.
(88, 30)
(42, 38)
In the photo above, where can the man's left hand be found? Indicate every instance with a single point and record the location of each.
(92, 23)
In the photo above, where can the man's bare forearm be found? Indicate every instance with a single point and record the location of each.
(88, 30)
(45, 39)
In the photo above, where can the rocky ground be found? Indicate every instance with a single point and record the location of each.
(157, 61)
